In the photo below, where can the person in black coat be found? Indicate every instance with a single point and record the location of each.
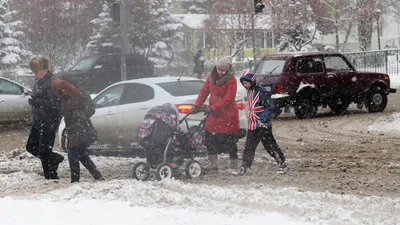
(46, 114)
(199, 60)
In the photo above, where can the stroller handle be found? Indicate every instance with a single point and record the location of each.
(206, 115)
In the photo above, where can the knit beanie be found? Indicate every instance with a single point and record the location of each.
(224, 63)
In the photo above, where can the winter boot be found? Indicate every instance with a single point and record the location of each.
(56, 160)
(244, 170)
(233, 168)
(212, 165)
(283, 168)
(75, 175)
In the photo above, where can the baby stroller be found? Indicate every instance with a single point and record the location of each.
(169, 149)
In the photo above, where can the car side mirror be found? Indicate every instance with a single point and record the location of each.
(27, 92)
(96, 67)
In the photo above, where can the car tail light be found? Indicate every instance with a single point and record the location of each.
(184, 108)
(279, 88)
(240, 105)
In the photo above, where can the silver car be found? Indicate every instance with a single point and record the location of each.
(14, 104)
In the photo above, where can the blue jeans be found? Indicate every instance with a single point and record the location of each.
(80, 154)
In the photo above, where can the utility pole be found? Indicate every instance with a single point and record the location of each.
(124, 37)
(253, 31)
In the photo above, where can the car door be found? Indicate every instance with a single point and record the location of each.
(344, 73)
(13, 102)
(106, 72)
(310, 72)
(137, 101)
(105, 118)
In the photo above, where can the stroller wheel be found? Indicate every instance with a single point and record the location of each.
(193, 169)
(164, 171)
(141, 171)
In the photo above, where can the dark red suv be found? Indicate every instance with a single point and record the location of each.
(308, 80)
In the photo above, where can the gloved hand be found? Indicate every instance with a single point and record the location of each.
(31, 101)
(195, 109)
(208, 110)
(263, 125)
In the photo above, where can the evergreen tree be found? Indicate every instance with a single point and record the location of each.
(12, 50)
(154, 30)
(106, 35)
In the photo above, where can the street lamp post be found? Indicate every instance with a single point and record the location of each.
(377, 16)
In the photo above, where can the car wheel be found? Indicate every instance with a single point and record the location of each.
(376, 100)
(164, 171)
(305, 108)
(339, 105)
(141, 171)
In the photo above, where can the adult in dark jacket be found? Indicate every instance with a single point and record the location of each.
(260, 125)
(46, 118)
(199, 60)
(223, 122)
(77, 107)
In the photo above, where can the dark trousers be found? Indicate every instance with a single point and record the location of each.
(40, 144)
(80, 154)
(267, 139)
(221, 143)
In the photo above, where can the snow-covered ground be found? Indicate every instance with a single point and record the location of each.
(395, 81)
(28, 199)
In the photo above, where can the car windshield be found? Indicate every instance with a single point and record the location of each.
(84, 64)
(182, 88)
(270, 67)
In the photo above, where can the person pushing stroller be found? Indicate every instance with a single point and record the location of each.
(260, 125)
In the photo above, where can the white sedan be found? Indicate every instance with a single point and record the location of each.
(122, 106)
(14, 104)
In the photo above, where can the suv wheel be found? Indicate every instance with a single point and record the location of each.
(376, 100)
(339, 105)
(305, 108)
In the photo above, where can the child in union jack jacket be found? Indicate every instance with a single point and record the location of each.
(260, 125)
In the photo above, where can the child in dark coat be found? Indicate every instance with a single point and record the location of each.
(260, 125)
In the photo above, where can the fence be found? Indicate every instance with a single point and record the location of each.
(188, 70)
(385, 61)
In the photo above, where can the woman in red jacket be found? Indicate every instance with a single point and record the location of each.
(223, 122)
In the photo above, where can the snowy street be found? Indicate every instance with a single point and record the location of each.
(343, 170)
(175, 202)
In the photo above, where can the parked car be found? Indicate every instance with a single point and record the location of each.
(100, 71)
(14, 104)
(308, 80)
(122, 106)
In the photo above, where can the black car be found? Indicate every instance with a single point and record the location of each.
(99, 71)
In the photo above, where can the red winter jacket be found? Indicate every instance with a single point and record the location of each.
(225, 116)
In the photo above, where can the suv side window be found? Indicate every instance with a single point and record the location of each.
(9, 88)
(336, 63)
(107, 63)
(138, 93)
(111, 97)
(309, 65)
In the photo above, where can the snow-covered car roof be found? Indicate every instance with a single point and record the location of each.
(155, 80)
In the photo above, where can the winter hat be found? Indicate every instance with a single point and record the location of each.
(39, 63)
(248, 76)
(224, 63)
